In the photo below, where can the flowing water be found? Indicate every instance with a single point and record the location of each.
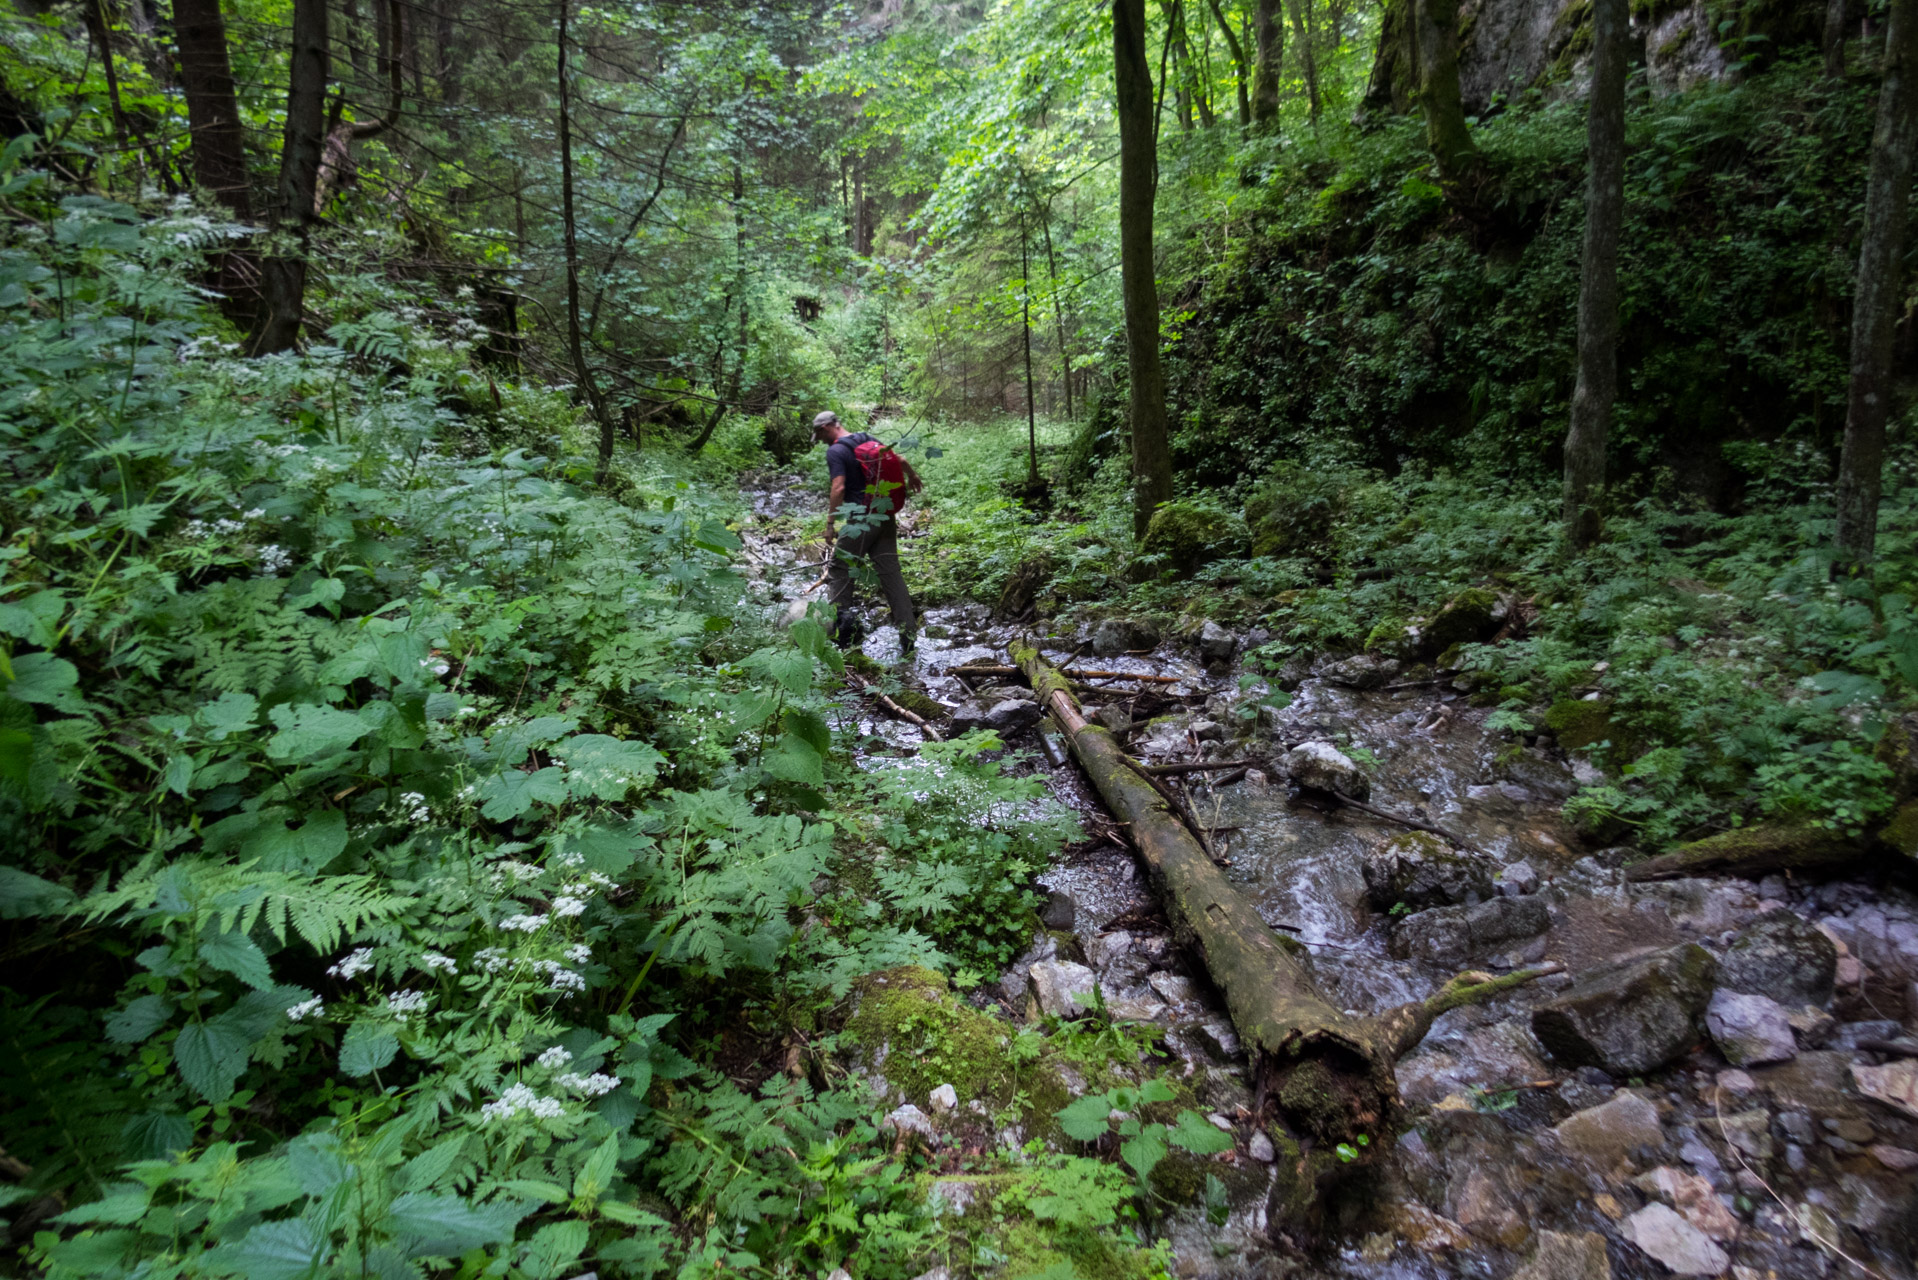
(1808, 1177)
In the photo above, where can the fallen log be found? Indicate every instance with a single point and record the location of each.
(1208, 766)
(1750, 851)
(902, 713)
(976, 669)
(1323, 1080)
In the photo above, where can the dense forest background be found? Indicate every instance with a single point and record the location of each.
(424, 855)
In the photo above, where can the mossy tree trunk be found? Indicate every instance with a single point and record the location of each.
(1268, 51)
(1597, 386)
(1880, 290)
(1435, 36)
(1138, 182)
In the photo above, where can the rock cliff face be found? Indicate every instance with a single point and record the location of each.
(1509, 46)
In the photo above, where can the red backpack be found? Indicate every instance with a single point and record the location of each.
(882, 467)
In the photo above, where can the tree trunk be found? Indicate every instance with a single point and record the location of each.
(1268, 37)
(1058, 309)
(1241, 73)
(570, 228)
(1025, 325)
(302, 149)
(1880, 290)
(1597, 384)
(1837, 19)
(94, 14)
(1309, 59)
(1324, 1078)
(1436, 38)
(1151, 452)
(449, 67)
(212, 105)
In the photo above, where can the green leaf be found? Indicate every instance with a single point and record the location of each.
(430, 1165)
(16, 755)
(448, 1225)
(1086, 1119)
(596, 1175)
(795, 760)
(605, 767)
(178, 774)
(123, 1204)
(230, 713)
(808, 726)
(139, 1020)
(292, 1249)
(1199, 1136)
(1156, 1090)
(324, 591)
(211, 1055)
(1144, 1152)
(554, 1247)
(512, 793)
(47, 680)
(366, 1048)
(310, 732)
(239, 955)
(23, 895)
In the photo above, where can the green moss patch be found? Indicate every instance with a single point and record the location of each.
(1581, 724)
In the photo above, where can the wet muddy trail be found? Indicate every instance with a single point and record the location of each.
(1695, 1094)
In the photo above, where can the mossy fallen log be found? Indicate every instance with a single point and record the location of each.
(1751, 851)
(1324, 1080)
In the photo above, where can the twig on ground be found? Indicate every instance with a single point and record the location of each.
(910, 717)
(1405, 821)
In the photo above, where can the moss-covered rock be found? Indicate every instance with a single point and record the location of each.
(1024, 584)
(1394, 638)
(918, 1036)
(1580, 724)
(1470, 617)
(1901, 833)
(1186, 536)
(1294, 512)
(919, 704)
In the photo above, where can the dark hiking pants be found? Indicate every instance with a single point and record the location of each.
(881, 547)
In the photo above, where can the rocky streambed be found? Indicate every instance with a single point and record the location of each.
(1719, 1080)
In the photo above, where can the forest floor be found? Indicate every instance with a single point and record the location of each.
(1781, 1144)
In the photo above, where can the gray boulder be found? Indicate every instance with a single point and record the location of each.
(1115, 636)
(1323, 767)
(1013, 714)
(1571, 1255)
(1632, 1016)
(1421, 871)
(1749, 1030)
(1216, 644)
(1057, 985)
(1781, 956)
(1681, 1247)
(1363, 672)
(1450, 936)
(967, 716)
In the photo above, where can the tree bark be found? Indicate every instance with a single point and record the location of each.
(1880, 290)
(1837, 19)
(1751, 852)
(1025, 325)
(1309, 64)
(302, 149)
(1241, 72)
(1436, 38)
(212, 105)
(570, 228)
(1597, 386)
(1058, 308)
(1268, 37)
(1151, 452)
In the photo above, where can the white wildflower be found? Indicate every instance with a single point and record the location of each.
(571, 860)
(306, 1009)
(413, 807)
(579, 953)
(546, 1108)
(491, 959)
(274, 559)
(592, 1086)
(567, 905)
(353, 965)
(515, 1099)
(568, 981)
(403, 1004)
(524, 923)
(258, 513)
(520, 871)
(434, 960)
(555, 1057)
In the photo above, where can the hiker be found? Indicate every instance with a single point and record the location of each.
(859, 477)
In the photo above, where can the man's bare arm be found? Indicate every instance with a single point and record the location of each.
(833, 502)
(913, 483)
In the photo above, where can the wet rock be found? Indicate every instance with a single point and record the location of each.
(1736, 1081)
(940, 1272)
(1057, 985)
(1749, 1030)
(1115, 636)
(967, 716)
(1681, 1247)
(1567, 1255)
(1139, 1008)
(1011, 715)
(1895, 1084)
(1897, 1159)
(1749, 1131)
(1632, 1016)
(1294, 673)
(1518, 879)
(1426, 1231)
(1114, 717)
(1612, 1132)
(906, 1120)
(1323, 767)
(1220, 1038)
(1173, 988)
(1216, 644)
(1260, 1147)
(1781, 956)
(944, 1098)
(1693, 1198)
(1362, 672)
(1811, 1026)
(1103, 949)
(1483, 1207)
(1851, 1034)
(1420, 870)
(1453, 935)
(1817, 1080)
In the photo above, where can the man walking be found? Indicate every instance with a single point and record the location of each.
(872, 531)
